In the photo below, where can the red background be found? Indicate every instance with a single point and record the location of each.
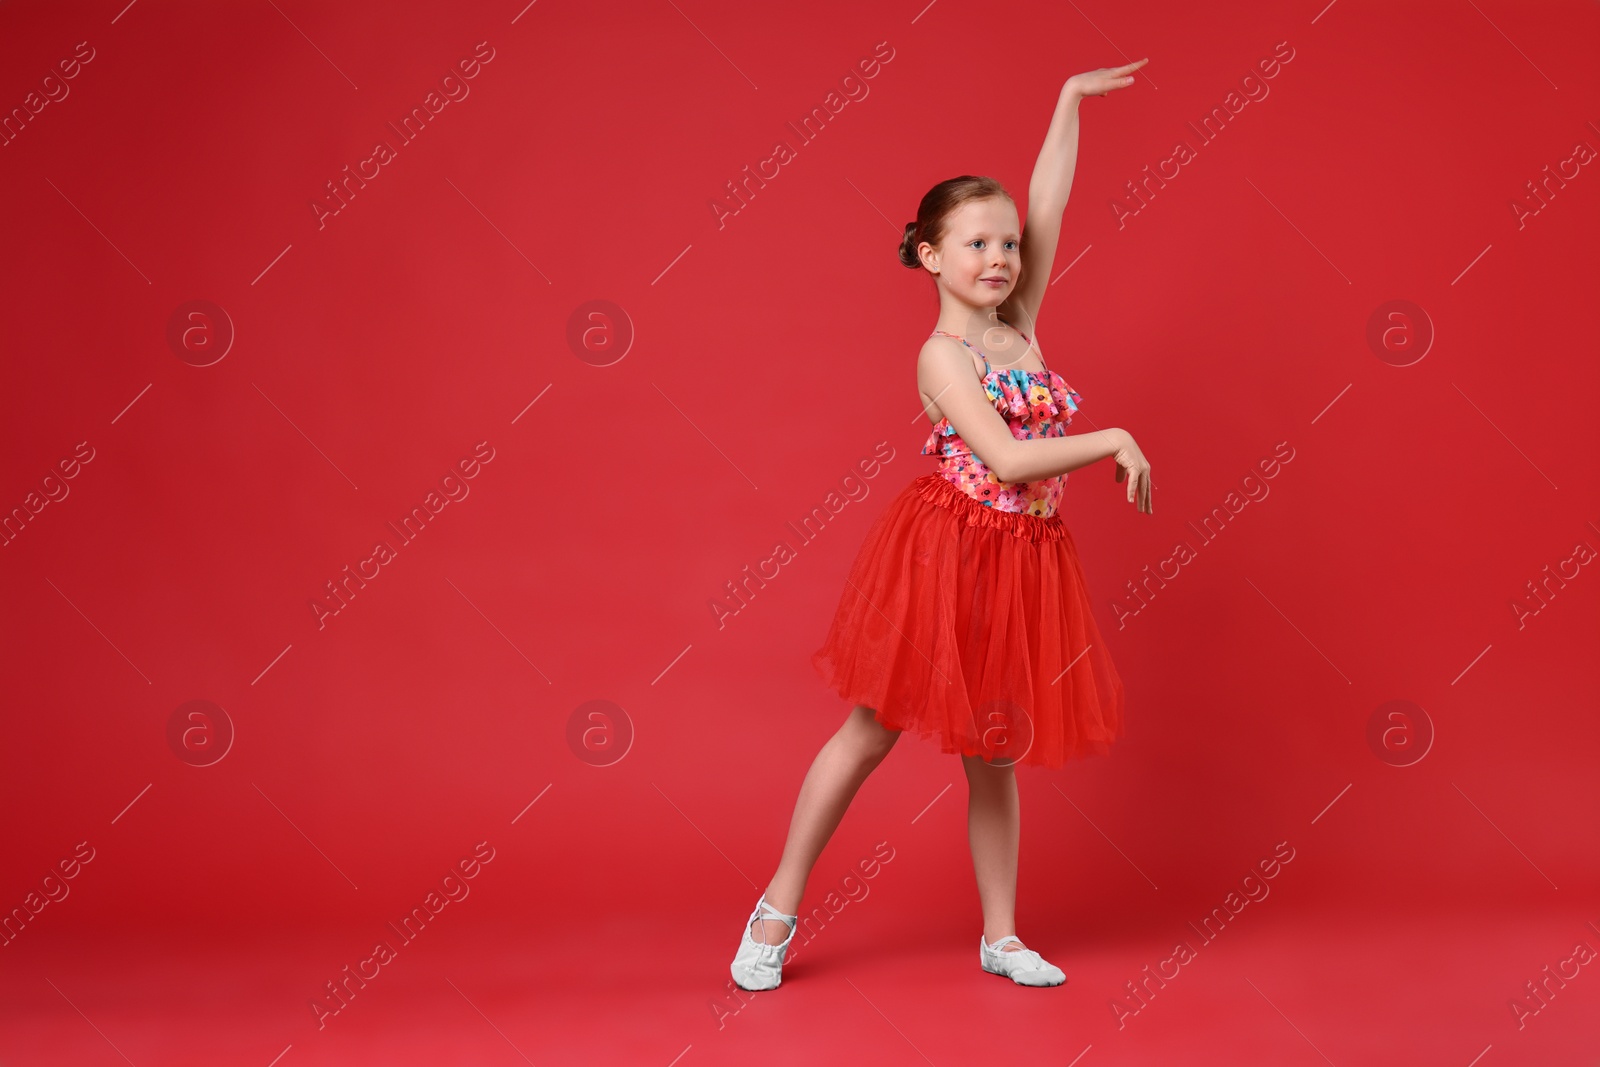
(747, 359)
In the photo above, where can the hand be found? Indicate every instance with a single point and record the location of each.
(1102, 81)
(1135, 469)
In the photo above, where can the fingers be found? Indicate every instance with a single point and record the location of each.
(1139, 486)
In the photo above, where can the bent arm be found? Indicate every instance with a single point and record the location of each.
(945, 374)
(1046, 457)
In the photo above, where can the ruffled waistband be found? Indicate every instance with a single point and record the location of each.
(937, 489)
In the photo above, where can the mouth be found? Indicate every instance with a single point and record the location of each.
(993, 281)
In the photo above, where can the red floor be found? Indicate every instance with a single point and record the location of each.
(1278, 986)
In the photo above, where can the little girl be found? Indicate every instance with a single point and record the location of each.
(964, 617)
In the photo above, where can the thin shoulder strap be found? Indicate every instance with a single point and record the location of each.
(964, 341)
(1042, 363)
(1018, 328)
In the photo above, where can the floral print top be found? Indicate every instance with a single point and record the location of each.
(1035, 404)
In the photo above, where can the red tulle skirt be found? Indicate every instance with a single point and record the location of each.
(971, 626)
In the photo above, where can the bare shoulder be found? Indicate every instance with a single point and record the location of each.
(948, 355)
(942, 362)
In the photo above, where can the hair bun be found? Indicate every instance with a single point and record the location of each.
(908, 247)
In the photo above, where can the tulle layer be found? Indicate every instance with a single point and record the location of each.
(971, 626)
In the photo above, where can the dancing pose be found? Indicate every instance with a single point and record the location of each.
(965, 618)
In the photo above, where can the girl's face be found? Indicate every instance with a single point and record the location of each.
(981, 253)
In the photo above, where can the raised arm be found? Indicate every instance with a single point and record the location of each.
(1050, 186)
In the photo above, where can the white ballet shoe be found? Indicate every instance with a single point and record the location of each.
(759, 966)
(1024, 966)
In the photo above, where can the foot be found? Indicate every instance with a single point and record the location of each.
(1023, 966)
(759, 962)
(769, 931)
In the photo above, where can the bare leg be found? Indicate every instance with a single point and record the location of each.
(841, 766)
(994, 831)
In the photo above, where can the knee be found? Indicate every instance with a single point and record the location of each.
(870, 739)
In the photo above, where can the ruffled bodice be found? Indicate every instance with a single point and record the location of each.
(1035, 404)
